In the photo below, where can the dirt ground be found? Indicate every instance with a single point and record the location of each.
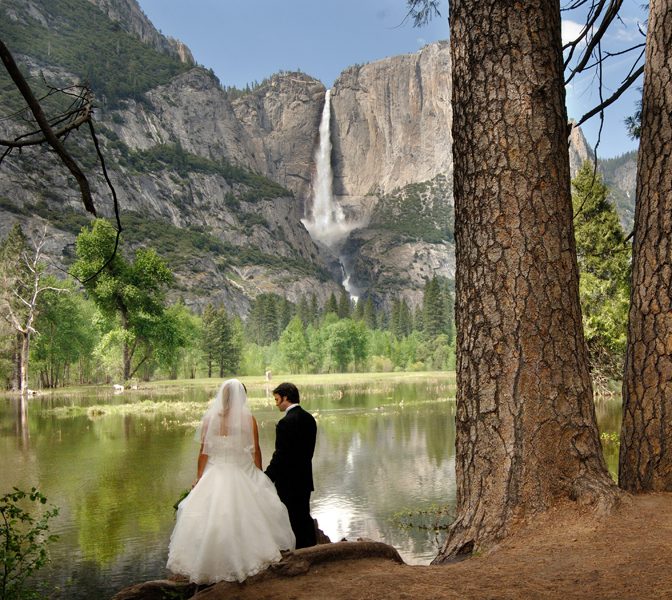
(567, 553)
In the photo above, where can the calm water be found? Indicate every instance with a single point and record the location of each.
(383, 448)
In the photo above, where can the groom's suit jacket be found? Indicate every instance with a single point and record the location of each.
(291, 467)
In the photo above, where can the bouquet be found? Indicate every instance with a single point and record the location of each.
(183, 495)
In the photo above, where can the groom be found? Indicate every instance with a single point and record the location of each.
(290, 467)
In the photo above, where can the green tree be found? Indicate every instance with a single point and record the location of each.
(331, 306)
(22, 282)
(303, 311)
(285, 313)
(604, 267)
(345, 341)
(370, 319)
(67, 335)
(132, 292)
(294, 345)
(265, 318)
(222, 340)
(13, 271)
(344, 306)
(433, 309)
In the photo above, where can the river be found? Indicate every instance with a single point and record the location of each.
(115, 464)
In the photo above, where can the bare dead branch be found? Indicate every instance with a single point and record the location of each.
(51, 138)
(596, 38)
(626, 84)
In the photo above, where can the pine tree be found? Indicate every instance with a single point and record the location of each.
(331, 306)
(370, 319)
(604, 266)
(344, 306)
(433, 309)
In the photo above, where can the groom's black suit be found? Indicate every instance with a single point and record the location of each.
(292, 472)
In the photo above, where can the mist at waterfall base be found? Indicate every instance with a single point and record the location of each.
(326, 221)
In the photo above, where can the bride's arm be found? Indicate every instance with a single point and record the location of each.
(202, 461)
(257, 449)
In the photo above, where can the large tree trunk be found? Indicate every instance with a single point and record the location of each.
(526, 429)
(646, 436)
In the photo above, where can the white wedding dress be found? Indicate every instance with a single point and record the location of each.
(232, 524)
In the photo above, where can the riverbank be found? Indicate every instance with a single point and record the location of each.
(567, 553)
(252, 382)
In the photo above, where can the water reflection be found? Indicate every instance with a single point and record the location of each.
(116, 473)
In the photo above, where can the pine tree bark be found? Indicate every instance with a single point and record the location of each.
(526, 433)
(645, 462)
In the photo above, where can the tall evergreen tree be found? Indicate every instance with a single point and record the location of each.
(604, 266)
(331, 306)
(433, 309)
(303, 311)
(370, 318)
(314, 310)
(285, 311)
(344, 306)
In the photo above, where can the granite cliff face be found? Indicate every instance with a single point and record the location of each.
(391, 123)
(130, 16)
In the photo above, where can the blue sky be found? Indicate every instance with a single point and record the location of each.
(247, 40)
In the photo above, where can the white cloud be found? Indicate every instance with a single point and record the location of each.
(571, 30)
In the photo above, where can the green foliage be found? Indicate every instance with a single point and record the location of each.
(293, 345)
(345, 342)
(437, 308)
(221, 340)
(66, 336)
(23, 541)
(132, 291)
(604, 265)
(174, 158)
(419, 211)
(633, 123)
(80, 38)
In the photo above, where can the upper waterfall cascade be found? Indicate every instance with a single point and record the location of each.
(326, 221)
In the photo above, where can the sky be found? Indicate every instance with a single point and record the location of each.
(244, 41)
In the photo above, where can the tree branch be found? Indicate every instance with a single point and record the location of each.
(626, 84)
(42, 121)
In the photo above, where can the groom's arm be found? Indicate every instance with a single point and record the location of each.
(282, 454)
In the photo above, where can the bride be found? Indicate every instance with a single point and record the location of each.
(232, 524)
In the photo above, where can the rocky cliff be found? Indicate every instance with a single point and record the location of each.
(131, 18)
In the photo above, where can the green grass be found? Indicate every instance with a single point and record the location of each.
(258, 383)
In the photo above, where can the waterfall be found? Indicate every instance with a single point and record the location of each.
(326, 222)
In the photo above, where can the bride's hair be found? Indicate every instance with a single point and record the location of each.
(227, 416)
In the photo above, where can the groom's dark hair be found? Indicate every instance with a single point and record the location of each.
(289, 391)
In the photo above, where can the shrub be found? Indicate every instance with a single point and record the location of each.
(23, 541)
